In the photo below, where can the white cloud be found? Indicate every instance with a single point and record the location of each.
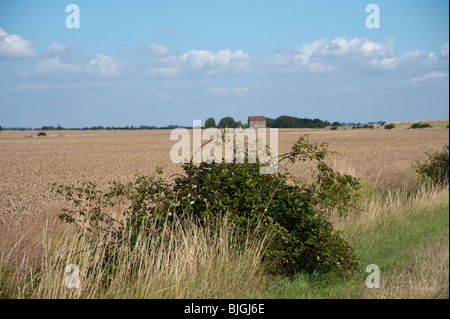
(211, 63)
(414, 61)
(15, 47)
(430, 75)
(101, 65)
(200, 62)
(324, 55)
(54, 65)
(56, 48)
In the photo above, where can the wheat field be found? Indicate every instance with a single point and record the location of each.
(30, 163)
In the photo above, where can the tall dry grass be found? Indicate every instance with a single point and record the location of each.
(189, 260)
(427, 277)
(382, 206)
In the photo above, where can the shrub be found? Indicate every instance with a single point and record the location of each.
(389, 126)
(419, 125)
(42, 134)
(363, 126)
(436, 168)
(333, 128)
(303, 239)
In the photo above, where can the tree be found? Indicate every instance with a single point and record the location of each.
(336, 124)
(210, 122)
(227, 122)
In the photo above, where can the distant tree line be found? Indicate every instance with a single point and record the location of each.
(283, 121)
(97, 127)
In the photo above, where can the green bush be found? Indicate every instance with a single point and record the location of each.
(436, 168)
(419, 125)
(389, 126)
(42, 134)
(303, 239)
(363, 126)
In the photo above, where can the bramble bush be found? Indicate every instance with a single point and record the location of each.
(436, 168)
(303, 239)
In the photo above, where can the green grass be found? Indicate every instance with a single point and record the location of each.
(400, 232)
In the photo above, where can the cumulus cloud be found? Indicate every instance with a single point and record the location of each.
(15, 47)
(101, 65)
(215, 63)
(201, 62)
(324, 55)
(357, 56)
(415, 61)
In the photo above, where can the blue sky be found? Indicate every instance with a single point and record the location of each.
(170, 62)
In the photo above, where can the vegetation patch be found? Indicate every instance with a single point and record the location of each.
(303, 239)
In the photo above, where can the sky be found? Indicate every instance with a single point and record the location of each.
(162, 62)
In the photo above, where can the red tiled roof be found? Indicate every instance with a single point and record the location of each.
(257, 118)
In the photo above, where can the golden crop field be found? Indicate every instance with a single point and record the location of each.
(31, 163)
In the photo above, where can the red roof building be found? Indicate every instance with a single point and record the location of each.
(257, 121)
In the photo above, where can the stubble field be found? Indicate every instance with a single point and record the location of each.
(30, 163)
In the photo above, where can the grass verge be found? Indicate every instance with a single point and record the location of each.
(188, 261)
(404, 232)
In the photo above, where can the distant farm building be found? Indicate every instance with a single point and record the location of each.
(256, 121)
